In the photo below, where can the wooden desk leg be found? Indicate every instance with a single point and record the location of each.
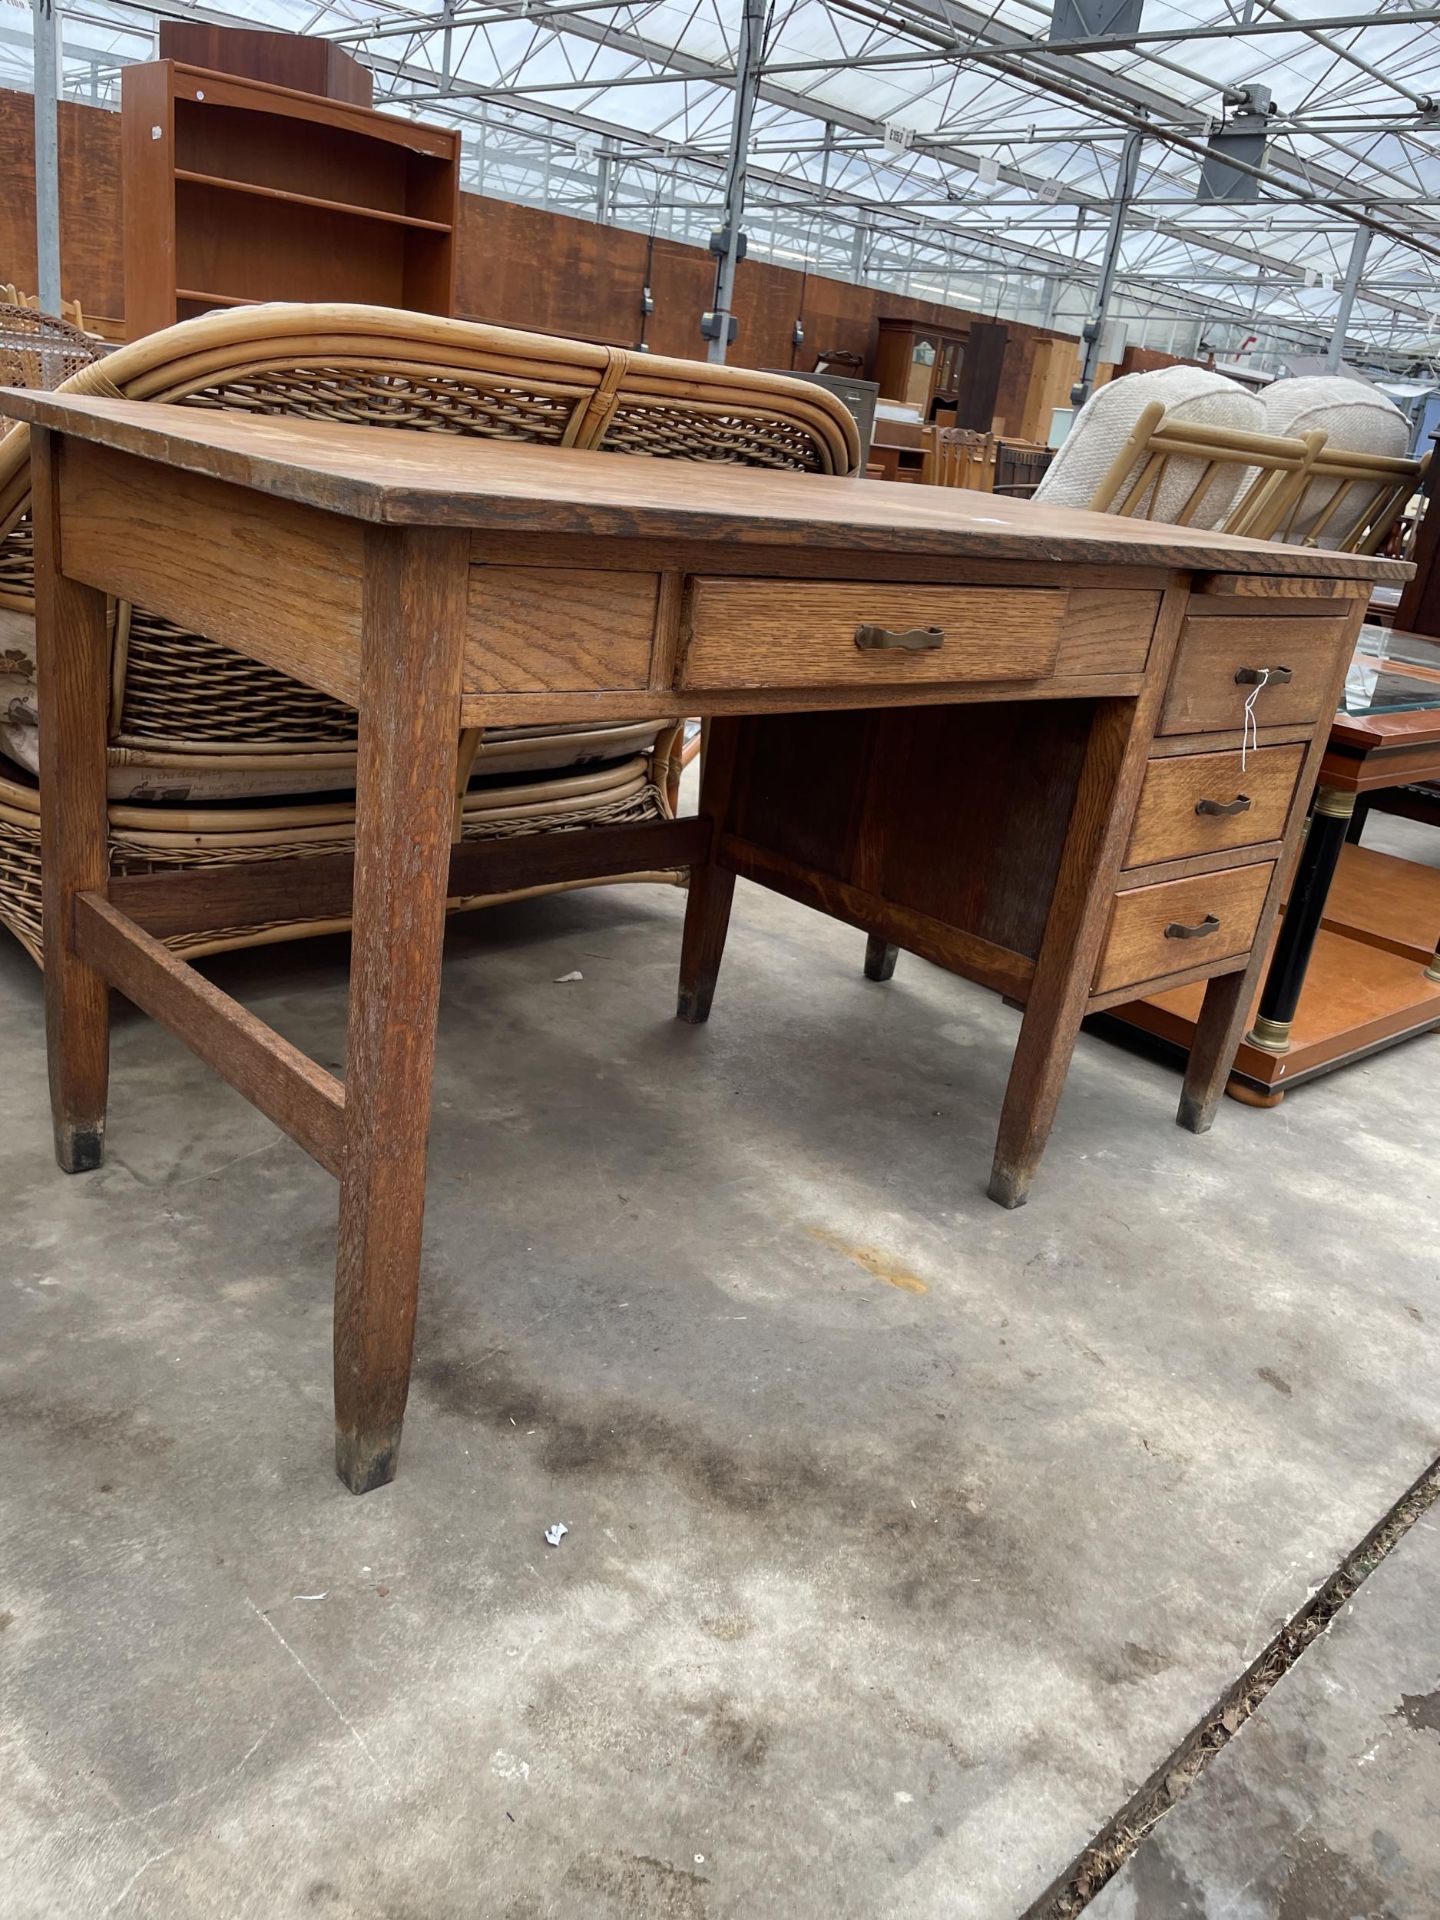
(411, 651)
(73, 686)
(880, 958)
(707, 911)
(1212, 1050)
(1079, 914)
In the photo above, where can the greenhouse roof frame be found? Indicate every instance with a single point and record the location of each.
(936, 138)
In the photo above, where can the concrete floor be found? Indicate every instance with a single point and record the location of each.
(1328, 1805)
(907, 1536)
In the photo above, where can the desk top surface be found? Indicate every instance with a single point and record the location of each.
(396, 477)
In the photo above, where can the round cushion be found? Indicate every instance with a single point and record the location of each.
(1354, 419)
(1104, 423)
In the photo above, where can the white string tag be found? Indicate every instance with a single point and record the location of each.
(1250, 726)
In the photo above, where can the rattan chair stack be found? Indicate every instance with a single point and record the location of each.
(215, 759)
(39, 350)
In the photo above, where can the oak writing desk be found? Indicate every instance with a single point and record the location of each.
(1004, 737)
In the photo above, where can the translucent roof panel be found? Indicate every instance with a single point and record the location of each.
(972, 142)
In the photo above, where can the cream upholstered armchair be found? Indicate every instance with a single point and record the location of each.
(1362, 477)
(1191, 396)
(215, 759)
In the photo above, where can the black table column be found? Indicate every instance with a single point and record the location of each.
(1329, 823)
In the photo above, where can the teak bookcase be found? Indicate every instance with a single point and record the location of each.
(237, 191)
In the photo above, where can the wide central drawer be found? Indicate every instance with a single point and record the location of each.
(780, 633)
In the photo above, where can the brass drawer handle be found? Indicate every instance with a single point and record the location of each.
(1263, 676)
(1210, 924)
(910, 639)
(1242, 803)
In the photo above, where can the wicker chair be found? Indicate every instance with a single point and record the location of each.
(216, 758)
(39, 351)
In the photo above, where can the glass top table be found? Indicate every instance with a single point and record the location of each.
(1392, 672)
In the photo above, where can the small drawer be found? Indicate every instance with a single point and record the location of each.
(543, 630)
(1205, 696)
(1203, 803)
(757, 633)
(1167, 928)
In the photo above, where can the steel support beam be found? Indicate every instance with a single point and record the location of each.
(753, 21)
(47, 151)
(1359, 247)
(1125, 177)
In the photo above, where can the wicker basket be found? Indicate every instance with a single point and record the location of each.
(151, 839)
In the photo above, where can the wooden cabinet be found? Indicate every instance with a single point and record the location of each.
(298, 60)
(238, 191)
(914, 362)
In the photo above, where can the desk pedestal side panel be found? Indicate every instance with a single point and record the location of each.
(940, 827)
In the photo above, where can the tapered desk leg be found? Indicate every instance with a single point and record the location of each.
(1074, 931)
(411, 650)
(1212, 1050)
(707, 910)
(73, 686)
(1228, 999)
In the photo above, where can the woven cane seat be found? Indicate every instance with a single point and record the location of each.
(159, 837)
(177, 692)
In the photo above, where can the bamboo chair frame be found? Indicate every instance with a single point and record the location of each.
(179, 696)
(1390, 480)
(1275, 470)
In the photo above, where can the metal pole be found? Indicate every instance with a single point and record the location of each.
(1359, 247)
(47, 151)
(1125, 177)
(747, 86)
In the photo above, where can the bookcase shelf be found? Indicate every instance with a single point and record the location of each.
(184, 174)
(238, 190)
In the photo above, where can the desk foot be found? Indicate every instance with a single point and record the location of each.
(693, 1004)
(880, 958)
(80, 1149)
(366, 1461)
(1009, 1187)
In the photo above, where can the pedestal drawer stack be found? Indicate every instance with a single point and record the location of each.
(1251, 680)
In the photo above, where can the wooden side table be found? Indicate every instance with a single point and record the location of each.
(967, 726)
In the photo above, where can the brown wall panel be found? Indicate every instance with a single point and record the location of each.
(89, 200)
(517, 267)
